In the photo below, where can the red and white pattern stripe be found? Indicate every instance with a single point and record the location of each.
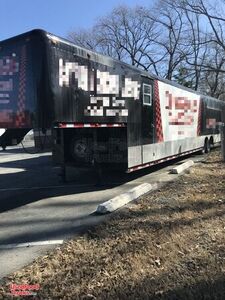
(199, 117)
(87, 125)
(158, 118)
(20, 116)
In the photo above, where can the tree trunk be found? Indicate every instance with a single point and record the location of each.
(223, 133)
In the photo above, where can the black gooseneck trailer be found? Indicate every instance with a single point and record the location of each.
(101, 111)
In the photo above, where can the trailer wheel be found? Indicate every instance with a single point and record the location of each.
(81, 150)
(211, 143)
(207, 147)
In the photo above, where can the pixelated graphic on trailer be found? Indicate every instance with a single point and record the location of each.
(180, 112)
(211, 123)
(9, 67)
(108, 92)
(13, 88)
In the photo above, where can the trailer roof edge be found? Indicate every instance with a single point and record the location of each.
(109, 59)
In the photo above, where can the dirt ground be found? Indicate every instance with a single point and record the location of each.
(167, 245)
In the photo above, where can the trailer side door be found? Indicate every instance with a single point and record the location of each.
(147, 111)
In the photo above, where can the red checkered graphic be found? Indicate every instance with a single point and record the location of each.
(20, 116)
(158, 118)
(199, 117)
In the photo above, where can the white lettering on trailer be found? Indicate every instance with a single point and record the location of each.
(107, 83)
(131, 89)
(108, 101)
(70, 69)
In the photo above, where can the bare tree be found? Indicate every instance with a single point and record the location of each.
(197, 49)
(170, 24)
(213, 82)
(84, 38)
(215, 22)
(180, 40)
(136, 36)
(127, 30)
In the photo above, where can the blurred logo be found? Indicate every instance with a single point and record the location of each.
(24, 289)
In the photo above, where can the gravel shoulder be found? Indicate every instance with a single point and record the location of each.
(169, 244)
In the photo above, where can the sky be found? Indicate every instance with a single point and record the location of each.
(55, 16)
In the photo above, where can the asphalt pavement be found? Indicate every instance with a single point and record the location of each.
(37, 206)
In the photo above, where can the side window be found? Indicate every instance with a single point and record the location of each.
(147, 94)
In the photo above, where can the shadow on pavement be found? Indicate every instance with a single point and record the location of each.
(35, 178)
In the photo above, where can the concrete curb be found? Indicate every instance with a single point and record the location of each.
(121, 200)
(182, 167)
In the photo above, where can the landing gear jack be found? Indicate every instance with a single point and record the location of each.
(98, 171)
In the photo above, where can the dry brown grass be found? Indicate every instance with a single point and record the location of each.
(168, 245)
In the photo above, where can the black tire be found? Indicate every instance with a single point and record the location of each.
(81, 150)
(207, 147)
(211, 143)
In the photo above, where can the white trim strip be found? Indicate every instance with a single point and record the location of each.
(90, 125)
(31, 244)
